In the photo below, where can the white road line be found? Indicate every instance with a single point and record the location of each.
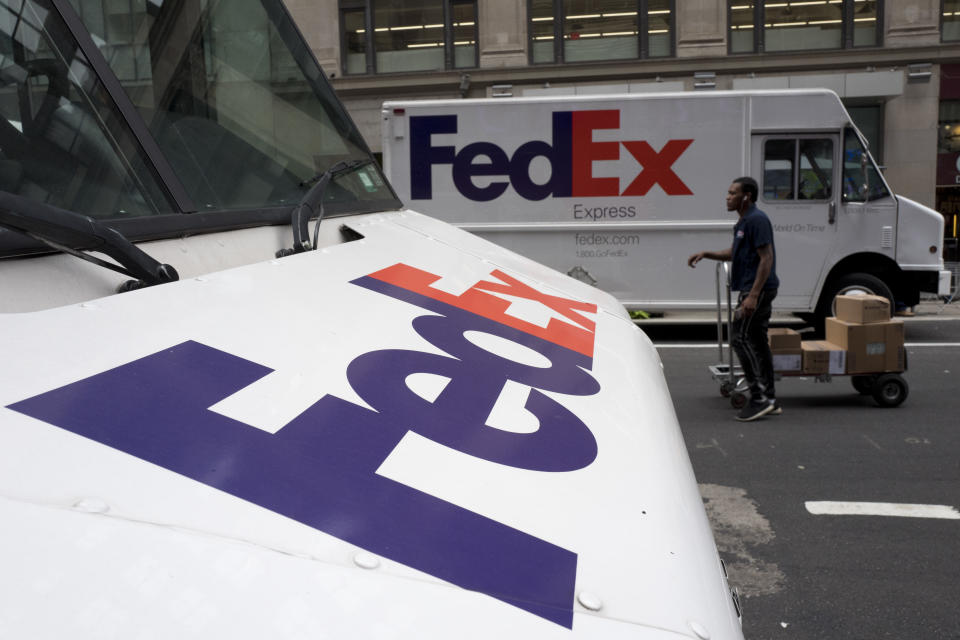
(883, 509)
(702, 345)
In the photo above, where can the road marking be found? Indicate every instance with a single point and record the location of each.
(870, 440)
(828, 508)
(707, 345)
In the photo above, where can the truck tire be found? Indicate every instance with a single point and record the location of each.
(850, 283)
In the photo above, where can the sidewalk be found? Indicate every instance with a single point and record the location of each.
(936, 309)
(926, 310)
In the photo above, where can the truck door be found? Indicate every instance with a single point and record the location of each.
(797, 174)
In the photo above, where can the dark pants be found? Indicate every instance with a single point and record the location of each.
(748, 337)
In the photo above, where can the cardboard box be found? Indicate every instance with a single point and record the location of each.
(785, 347)
(783, 362)
(863, 309)
(821, 357)
(871, 348)
(783, 340)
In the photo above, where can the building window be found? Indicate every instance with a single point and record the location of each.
(775, 25)
(592, 30)
(950, 20)
(391, 36)
(869, 120)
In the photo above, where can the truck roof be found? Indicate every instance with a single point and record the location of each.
(773, 109)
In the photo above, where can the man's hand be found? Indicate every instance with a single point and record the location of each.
(749, 304)
(694, 259)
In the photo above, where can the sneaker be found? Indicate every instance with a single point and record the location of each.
(777, 409)
(754, 411)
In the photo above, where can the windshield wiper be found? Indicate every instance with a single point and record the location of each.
(74, 233)
(308, 204)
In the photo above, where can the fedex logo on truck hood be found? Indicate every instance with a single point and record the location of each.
(571, 155)
(320, 469)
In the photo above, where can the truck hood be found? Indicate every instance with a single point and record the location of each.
(416, 434)
(917, 227)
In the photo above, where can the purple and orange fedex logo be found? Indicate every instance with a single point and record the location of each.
(321, 468)
(571, 155)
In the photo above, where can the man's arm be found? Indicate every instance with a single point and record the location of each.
(722, 256)
(763, 272)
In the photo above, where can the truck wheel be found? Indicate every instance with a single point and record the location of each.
(726, 388)
(890, 390)
(863, 384)
(864, 283)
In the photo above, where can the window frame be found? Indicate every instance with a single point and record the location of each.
(943, 8)
(449, 55)
(797, 138)
(847, 42)
(643, 44)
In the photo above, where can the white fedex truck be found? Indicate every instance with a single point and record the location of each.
(619, 190)
(220, 418)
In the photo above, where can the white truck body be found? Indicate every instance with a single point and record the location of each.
(619, 190)
(395, 429)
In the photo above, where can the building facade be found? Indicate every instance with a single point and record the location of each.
(896, 65)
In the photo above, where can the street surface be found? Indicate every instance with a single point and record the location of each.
(836, 575)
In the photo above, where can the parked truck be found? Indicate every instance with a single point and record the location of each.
(245, 393)
(619, 190)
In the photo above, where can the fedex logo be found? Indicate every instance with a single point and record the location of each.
(571, 155)
(321, 468)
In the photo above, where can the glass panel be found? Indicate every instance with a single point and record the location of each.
(659, 26)
(742, 26)
(355, 46)
(464, 34)
(600, 30)
(865, 23)
(408, 35)
(61, 142)
(948, 140)
(951, 20)
(791, 26)
(869, 119)
(240, 121)
(541, 30)
(816, 169)
(778, 174)
(856, 187)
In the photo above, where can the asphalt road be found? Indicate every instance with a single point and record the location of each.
(803, 575)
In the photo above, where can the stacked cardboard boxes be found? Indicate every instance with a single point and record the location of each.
(862, 338)
(873, 342)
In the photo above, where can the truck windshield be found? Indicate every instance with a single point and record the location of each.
(857, 185)
(233, 98)
(62, 141)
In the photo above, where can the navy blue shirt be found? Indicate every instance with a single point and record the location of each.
(751, 232)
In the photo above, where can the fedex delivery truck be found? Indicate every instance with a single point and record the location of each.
(619, 190)
(245, 394)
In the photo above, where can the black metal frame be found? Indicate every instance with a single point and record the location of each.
(643, 45)
(846, 39)
(449, 60)
(190, 219)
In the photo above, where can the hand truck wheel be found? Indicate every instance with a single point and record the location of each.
(890, 390)
(738, 399)
(863, 384)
